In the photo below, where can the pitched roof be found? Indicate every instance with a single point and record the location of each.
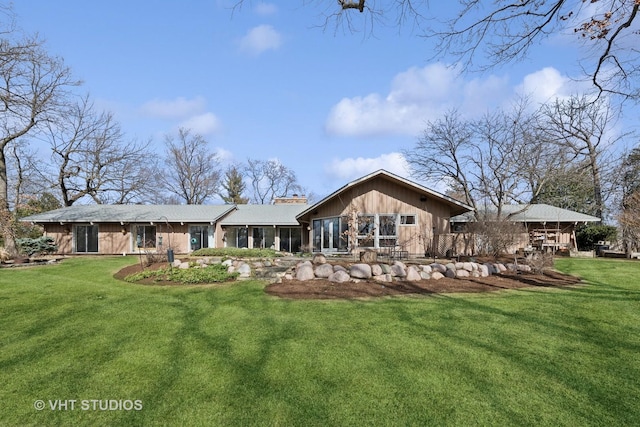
(538, 212)
(279, 214)
(457, 207)
(133, 213)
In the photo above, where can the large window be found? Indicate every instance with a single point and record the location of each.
(86, 238)
(290, 239)
(329, 234)
(237, 237)
(146, 236)
(264, 237)
(199, 237)
(387, 235)
(366, 231)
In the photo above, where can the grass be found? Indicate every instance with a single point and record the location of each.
(232, 355)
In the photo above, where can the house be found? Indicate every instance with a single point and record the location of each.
(545, 227)
(390, 213)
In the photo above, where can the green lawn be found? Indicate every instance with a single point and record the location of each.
(232, 355)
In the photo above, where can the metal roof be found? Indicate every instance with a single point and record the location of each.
(279, 214)
(133, 213)
(538, 212)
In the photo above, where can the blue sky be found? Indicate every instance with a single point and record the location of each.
(267, 81)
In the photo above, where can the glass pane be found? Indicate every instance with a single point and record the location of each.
(81, 238)
(336, 233)
(344, 236)
(387, 225)
(285, 240)
(243, 237)
(231, 237)
(317, 235)
(366, 225)
(258, 237)
(92, 238)
(269, 237)
(296, 239)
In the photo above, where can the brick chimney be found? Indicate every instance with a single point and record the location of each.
(290, 200)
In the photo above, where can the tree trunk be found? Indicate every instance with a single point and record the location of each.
(6, 218)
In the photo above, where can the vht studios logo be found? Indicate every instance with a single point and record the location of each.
(89, 405)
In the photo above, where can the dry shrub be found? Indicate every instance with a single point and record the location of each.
(494, 237)
(4, 255)
(539, 261)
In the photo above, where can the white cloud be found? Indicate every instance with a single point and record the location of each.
(260, 39)
(225, 156)
(175, 108)
(266, 9)
(422, 94)
(351, 168)
(202, 124)
(544, 85)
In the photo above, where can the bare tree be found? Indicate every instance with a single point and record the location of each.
(487, 162)
(270, 179)
(92, 159)
(192, 170)
(584, 129)
(34, 86)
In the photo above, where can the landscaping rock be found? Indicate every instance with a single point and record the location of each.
(484, 270)
(360, 271)
(412, 274)
(339, 268)
(183, 265)
(450, 273)
(305, 272)
(425, 276)
(440, 268)
(323, 270)
(436, 275)
(339, 277)
(376, 270)
(319, 259)
(462, 273)
(384, 278)
(397, 270)
(426, 268)
(385, 269)
(244, 269)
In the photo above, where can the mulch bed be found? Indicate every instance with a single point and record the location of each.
(324, 289)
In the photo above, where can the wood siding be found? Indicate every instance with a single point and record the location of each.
(381, 196)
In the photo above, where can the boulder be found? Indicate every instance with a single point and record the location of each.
(426, 268)
(305, 272)
(339, 277)
(324, 270)
(440, 268)
(462, 273)
(376, 270)
(469, 266)
(319, 259)
(397, 270)
(339, 268)
(244, 269)
(450, 273)
(436, 275)
(383, 278)
(425, 276)
(360, 271)
(484, 270)
(412, 274)
(385, 269)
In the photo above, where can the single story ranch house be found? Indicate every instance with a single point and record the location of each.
(380, 211)
(389, 211)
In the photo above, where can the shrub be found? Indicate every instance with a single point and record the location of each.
(4, 255)
(588, 235)
(195, 275)
(237, 252)
(41, 245)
